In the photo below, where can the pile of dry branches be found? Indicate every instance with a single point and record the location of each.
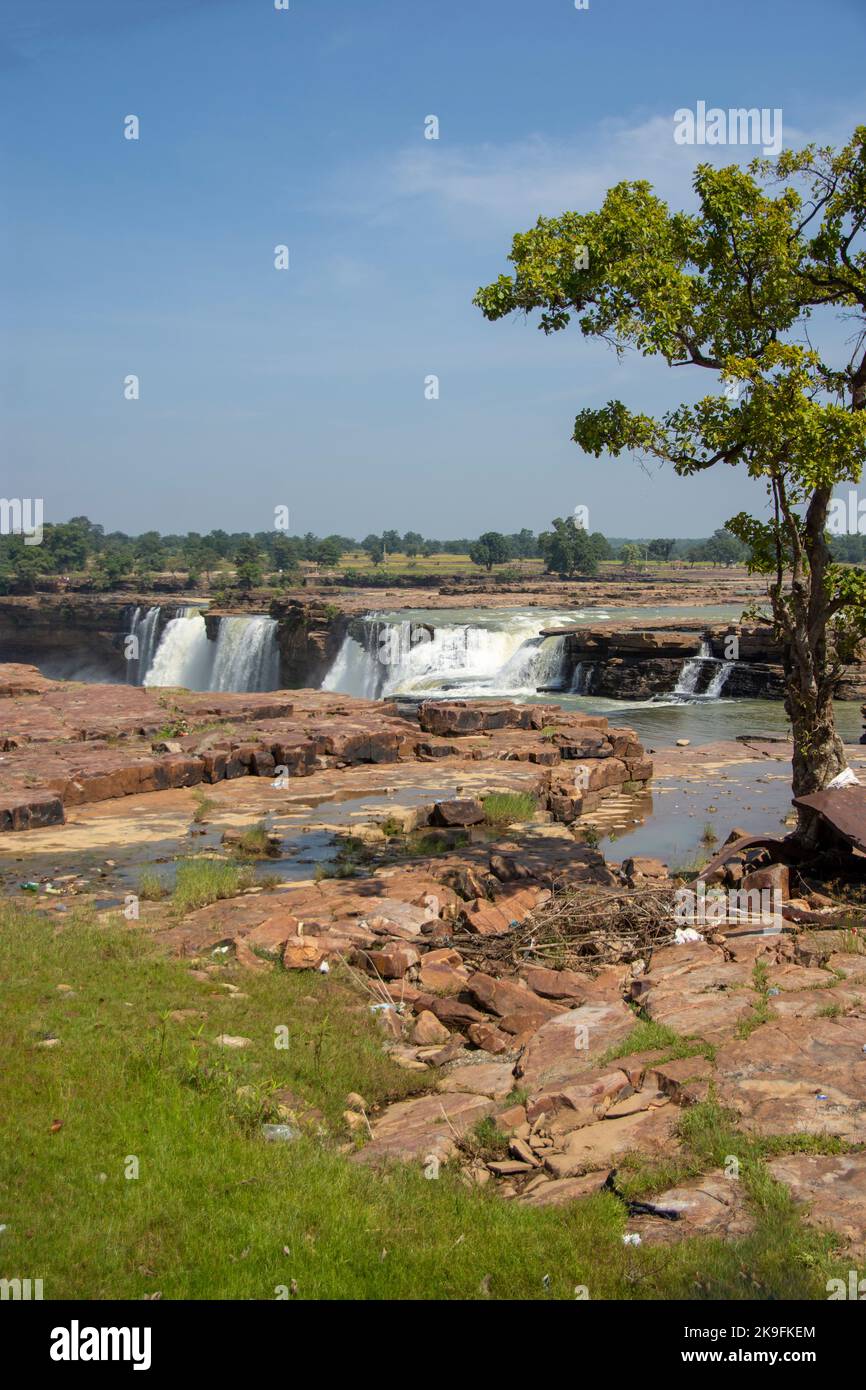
(584, 928)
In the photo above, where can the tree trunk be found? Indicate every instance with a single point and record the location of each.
(818, 752)
(810, 673)
(819, 755)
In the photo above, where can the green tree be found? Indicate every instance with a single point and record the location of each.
(413, 543)
(727, 289)
(112, 564)
(248, 565)
(67, 546)
(601, 547)
(490, 549)
(659, 549)
(329, 551)
(724, 549)
(631, 556)
(568, 549)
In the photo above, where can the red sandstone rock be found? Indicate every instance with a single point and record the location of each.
(428, 1031)
(488, 1038)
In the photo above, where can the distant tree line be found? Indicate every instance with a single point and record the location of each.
(80, 546)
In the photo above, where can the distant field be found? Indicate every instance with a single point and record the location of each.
(399, 564)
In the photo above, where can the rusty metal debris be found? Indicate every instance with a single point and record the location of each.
(844, 810)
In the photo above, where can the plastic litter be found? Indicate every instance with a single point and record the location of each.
(685, 934)
(280, 1134)
(631, 1239)
(846, 778)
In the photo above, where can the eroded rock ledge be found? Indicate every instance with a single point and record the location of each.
(66, 744)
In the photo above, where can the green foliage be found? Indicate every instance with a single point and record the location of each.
(248, 567)
(728, 289)
(489, 550)
(568, 549)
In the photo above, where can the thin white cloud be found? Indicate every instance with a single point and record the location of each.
(510, 184)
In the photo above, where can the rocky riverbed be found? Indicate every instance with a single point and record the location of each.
(564, 1022)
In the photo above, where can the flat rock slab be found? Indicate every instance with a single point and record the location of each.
(556, 1192)
(603, 1144)
(493, 1079)
(798, 1075)
(572, 1043)
(425, 1127)
(696, 991)
(834, 1187)
(712, 1205)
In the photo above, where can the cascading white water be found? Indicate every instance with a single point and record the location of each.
(405, 657)
(144, 627)
(720, 680)
(690, 675)
(687, 681)
(243, 657)
(184, 656)
(246, 656)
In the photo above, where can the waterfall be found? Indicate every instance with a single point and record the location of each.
(183, 657)
(381, 658)
(687, 681)
(144, 627)
(244, 656)
(720, 680)
(692, 671)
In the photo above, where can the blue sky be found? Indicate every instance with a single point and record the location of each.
(305, 388)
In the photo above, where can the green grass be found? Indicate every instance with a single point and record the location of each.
(204, 805)
(503, 808)
(218, 1212)
(203, 881)
(150, 886)
(255, 843)
(647, 1036)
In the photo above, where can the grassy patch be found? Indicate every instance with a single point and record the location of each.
(648, 1036)
(761, 1010)
(204, 805)
(503, 808)
(203, 881)
(255, 843)
(218, 1212)
(150, 886)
